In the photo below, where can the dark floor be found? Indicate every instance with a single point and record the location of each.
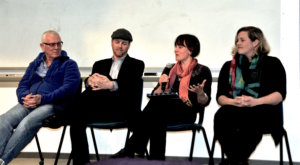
(174, 161)
(33, 158)
(139, 161)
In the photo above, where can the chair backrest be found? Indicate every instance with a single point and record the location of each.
(188, 126)
(136, 95)
(201, 115)
(79, 89)
(140, 92)
(278, 114)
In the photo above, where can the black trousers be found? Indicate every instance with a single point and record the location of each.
(239, 130)
(91, 107)
(153, 122)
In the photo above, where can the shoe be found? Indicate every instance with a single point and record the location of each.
(121, 154)
(2, 162)
(139, 155)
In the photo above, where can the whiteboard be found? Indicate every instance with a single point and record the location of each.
(86, 26)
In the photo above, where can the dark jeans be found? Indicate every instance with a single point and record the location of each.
(153, 122)
(239, 130)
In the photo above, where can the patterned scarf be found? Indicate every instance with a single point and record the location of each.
(244, 76)
(185, 76)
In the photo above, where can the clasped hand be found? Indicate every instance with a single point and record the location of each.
(98, 82)
(31, 101)
(244, 101)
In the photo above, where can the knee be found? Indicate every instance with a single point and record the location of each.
(220, 115)
(29, 125)
(226, 112)
(6, 126)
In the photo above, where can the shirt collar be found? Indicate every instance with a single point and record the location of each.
(121, 59)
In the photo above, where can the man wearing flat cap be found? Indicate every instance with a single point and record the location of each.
(109, 94)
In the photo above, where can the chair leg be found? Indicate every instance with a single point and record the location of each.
(211, 159)
(40, 151)
(222, 152)
(206, 142)
(287, 147)
(213, 150)
(280, 152)
(193, 142)
(60, 144)
(95, 144)
(127, 136)
(70, 158)
(192, 145)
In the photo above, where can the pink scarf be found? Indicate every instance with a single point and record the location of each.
(232, 74)
(185, 76)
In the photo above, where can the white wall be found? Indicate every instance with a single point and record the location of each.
(86, 26)
(289, 54)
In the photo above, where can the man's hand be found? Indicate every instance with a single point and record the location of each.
(98, 82)
(31, 101)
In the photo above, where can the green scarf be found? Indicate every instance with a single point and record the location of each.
(244, 76)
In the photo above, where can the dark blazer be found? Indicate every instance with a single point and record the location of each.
(128, 80)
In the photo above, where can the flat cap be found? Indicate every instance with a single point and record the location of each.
(122, 34)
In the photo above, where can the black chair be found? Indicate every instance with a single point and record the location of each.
(284, 135)
(197, 126)
(115, 125)
(104, 125)
(107, 125)
(54, 122)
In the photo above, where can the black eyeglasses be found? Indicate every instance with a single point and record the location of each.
(58, 44)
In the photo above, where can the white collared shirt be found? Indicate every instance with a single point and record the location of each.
(114, 70)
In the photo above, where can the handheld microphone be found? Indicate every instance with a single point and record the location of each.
(163, 86)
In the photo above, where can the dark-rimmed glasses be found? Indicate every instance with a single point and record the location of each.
(58, 44)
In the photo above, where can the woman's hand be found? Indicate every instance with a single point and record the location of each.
(198, 89)
(249, 101)
(245, 101)
(164, 78)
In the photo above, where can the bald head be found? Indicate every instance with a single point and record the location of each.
(48, 32)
